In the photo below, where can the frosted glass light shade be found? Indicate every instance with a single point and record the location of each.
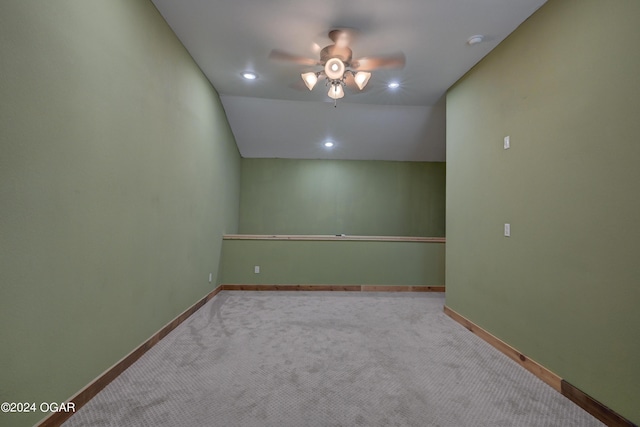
(361, 78)
(336, 92)
(334, 69)
(310, 79)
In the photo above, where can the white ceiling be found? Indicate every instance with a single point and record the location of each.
(277, 116)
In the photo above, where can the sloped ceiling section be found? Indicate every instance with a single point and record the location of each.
(277, 116)
(298, 129)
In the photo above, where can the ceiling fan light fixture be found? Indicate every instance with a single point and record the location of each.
(339, 67)
(334, 68)
(361, 78)
(310, 79)
(336, 91)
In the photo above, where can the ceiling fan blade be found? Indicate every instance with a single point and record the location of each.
(389, 61)
(280, 55)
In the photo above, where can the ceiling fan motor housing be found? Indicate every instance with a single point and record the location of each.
(332, 51)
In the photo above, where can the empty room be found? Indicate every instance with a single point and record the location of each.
(292, 213)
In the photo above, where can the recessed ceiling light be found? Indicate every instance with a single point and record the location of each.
(393, 85)
(249, 75)
(328, 144)
(475, 39)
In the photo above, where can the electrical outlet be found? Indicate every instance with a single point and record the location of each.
(507, 142)
(256, 269)
(507, 230)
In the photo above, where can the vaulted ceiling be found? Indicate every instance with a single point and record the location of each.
(275, 115)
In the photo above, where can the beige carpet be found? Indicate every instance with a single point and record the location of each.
(326, 359)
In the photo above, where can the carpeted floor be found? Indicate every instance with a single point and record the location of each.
(326, 359)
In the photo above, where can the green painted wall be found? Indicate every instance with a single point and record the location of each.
(333, 262)
(118, 176)
(370, 198)
(564, 288)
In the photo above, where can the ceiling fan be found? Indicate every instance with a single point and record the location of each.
(339, 67)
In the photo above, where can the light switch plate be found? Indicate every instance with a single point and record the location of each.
(507, 230)
(256, 269)
(507, 142)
